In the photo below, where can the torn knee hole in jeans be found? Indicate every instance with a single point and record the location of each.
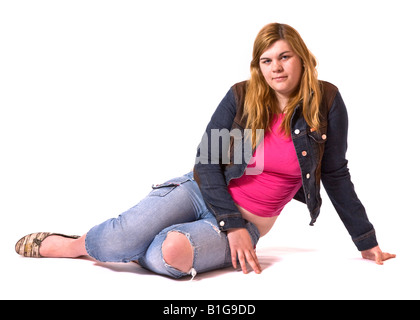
(191, 271)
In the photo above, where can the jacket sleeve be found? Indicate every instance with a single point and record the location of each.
(208, 170)
(337, 182)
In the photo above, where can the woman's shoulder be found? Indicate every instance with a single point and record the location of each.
(327, 87)
(329, 92)
(239, 91)
(240, 87)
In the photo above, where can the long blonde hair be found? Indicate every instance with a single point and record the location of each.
(260, 100)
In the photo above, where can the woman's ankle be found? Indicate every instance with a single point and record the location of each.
(61, 247)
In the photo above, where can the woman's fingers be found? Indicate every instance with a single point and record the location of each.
(384, 256)
(248, 256)
(242, 261)
(233, 256)
(242, 250)
(377, 255)
(253, 261)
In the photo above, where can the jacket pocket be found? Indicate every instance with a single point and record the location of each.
(319, 136)
(317, 140)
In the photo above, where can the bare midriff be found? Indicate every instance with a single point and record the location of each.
(263, 224)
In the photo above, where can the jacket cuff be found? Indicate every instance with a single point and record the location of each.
(227, 223)
(366, 241)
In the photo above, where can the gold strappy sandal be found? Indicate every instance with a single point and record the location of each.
(29, 245)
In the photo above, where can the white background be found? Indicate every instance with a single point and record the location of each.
(101, 99)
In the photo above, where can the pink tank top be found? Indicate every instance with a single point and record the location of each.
(267, 193)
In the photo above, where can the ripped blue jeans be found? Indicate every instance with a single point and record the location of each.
(173, 206)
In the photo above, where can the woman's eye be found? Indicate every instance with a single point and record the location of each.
(284, 57)
(266, 61)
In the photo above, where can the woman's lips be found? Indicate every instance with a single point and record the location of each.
(280, 79)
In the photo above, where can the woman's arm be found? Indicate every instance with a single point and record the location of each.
(337, 182)
(209, 175)
(208, 170)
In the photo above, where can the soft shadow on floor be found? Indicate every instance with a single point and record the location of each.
(267, 257)
(130, 267)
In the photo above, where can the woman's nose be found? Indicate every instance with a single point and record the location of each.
(276, 66)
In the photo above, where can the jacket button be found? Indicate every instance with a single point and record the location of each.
(324, 137)
(297, 131)
(304, 153)
(308, 175)
(221, 223)
(309, 196)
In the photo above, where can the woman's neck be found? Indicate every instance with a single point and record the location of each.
(282, 101)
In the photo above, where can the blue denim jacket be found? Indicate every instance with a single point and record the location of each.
(321, 156)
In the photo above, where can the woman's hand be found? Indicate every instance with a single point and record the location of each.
(241, 248)
(377, 255)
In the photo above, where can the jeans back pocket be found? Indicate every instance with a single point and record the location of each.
(165, 188)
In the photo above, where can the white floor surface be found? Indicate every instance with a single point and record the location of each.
(299, 262)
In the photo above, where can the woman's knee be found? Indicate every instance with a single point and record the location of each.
(178, 252)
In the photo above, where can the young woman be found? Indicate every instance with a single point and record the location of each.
(271, 139)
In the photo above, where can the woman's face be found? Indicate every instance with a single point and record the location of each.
(282, 69)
